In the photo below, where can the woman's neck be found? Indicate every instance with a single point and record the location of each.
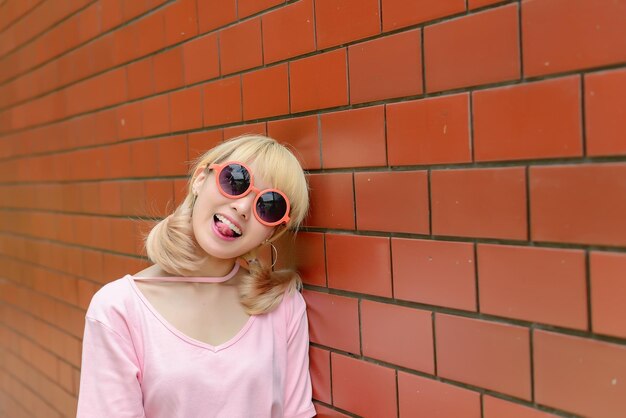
(213, 267)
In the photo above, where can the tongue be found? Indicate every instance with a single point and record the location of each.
(224, 229)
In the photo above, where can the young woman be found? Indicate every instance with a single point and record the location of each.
(197, 334)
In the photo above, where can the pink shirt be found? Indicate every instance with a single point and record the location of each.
(136, 364)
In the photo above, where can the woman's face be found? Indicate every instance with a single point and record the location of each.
(213, 211)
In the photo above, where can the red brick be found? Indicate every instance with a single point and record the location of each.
(331, 201)
(133, 203)
(497, 408)
(52, 107)
(608, 293)
(93, 165)
(222, 101)
(149, 32)
(480, 48)
(213, 14)
(134, 9)
(241, 46)
(101, 54)
(181, 189)
(110, 197)
(85, 25)
(105, 123)
(307, 256)
(109, 88)
(155, 115)
(124, 50)
(371, 275)
(249, 128)
(181, 21)
(579, 375)
(129, 120)
(186, 109)
(172, 156)
(542, 285)
(200, 57)
(475, 4)
(10, 92)
(486, 202)
(419, 396)
(333, 320)
(489, 355)
(581, 203)
(159, 197)
(288, 31)
(249, 7)
(92, 262)
(521, 122)
(143, 154)
(342, 21)
(140, 78)
(311, 258)
(265, 92)
(301, 136)
(118, 161)
(429, 131)
(561, 35)
(319, 81)
(363, 146)
(377, 196)
(401, 13)
(363, 388)
(110, 14)
(386, 67)
(200, 142)
(320, 374)
(605, 112)
(65, 376)
(434, 272)
(325, 412)
(408, 343)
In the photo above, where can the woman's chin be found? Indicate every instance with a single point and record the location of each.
(224, 251)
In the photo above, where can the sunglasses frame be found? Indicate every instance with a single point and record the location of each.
(218, 170)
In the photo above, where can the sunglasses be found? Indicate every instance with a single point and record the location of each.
(234, 180)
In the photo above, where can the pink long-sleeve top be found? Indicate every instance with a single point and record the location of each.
(136, 364)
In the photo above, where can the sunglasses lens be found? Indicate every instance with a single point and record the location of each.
(234, 179)
(271, 207)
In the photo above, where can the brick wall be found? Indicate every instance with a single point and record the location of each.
(465, 255)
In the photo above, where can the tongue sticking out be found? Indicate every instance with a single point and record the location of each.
(224, 229)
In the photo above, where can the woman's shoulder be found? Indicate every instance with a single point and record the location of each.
(292, 304)
(298, 304)
(111, 300)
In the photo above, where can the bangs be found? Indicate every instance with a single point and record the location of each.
(279, 168)
(274, 165)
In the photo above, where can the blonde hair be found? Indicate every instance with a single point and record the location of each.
(171, 244)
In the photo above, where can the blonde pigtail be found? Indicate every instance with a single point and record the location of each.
(171, 243)
(262, 290)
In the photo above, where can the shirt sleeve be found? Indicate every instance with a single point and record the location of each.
(298, 396)
(109, 378)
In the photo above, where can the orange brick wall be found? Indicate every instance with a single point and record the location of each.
(465, 255)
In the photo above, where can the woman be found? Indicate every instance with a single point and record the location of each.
(197, 334)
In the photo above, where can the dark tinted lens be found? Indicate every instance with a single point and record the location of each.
(234, 179)
(271, 207)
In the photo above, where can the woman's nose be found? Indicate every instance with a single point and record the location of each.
(243, 205)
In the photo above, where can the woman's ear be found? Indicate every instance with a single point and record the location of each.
(277, 231)
(271, 234)
(199, 176)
